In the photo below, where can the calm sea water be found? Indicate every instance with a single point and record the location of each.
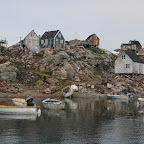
(84, 121)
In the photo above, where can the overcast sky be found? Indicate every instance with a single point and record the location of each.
(113, 21)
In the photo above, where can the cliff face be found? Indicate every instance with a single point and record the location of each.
(73, 63)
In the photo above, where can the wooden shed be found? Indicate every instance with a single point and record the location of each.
(129, 63)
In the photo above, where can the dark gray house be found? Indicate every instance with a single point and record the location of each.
(52, 39)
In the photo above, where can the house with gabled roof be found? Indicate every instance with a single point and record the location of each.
(92, 41)
(52, 39)
(129, 63)
(132, 45)
(136, 43)
(30, 42)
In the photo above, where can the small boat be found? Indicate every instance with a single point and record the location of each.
(124, 97)
(69, 90)
(20, 109)
(23, 102)
(53, 104)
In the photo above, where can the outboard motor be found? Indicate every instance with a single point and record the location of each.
(29, 101)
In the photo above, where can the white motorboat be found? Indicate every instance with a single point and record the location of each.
(53, 104)
(126, 97)
(23, 102)
(20, 109)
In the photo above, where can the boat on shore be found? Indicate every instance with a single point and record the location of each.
(122, 97)
(23, 102)
(53, 104)
(20, 109)
(69, 90)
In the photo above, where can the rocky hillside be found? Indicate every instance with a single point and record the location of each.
(74, 64)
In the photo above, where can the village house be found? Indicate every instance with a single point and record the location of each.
(129, 63)
(91, 42)
(132, 45)
(30, 42)
(52, 39)
(136, 43)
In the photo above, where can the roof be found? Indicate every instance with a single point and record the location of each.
(135, 43)
(127, 44)
(85, 42)
(49, 34)
(90, 36)
(31, 32)
(133, 56)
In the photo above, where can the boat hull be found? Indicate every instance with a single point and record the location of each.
(53, 105)
(20, 110)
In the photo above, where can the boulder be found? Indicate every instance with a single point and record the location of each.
(8, 72)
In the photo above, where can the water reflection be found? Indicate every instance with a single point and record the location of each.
(18, 117)
(50, 113)
(120, 107)
(83, 121)
(72, 104)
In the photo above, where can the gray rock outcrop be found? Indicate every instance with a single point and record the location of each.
(8, 72)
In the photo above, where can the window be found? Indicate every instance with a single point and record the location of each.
(42, 41)
(123, 56)
(59, 35)
(61, 41)
(127, 65)
(32, 34)
(29, 40)
(46, 41)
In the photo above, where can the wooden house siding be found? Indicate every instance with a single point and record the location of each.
(125, 65)
(128, 47)
(56, 41)
(120, 64)
(94, 40)
(31, 41)
(138, 68)
(59, 40)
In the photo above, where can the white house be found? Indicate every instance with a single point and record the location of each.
(31, 42)
(129, 63)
